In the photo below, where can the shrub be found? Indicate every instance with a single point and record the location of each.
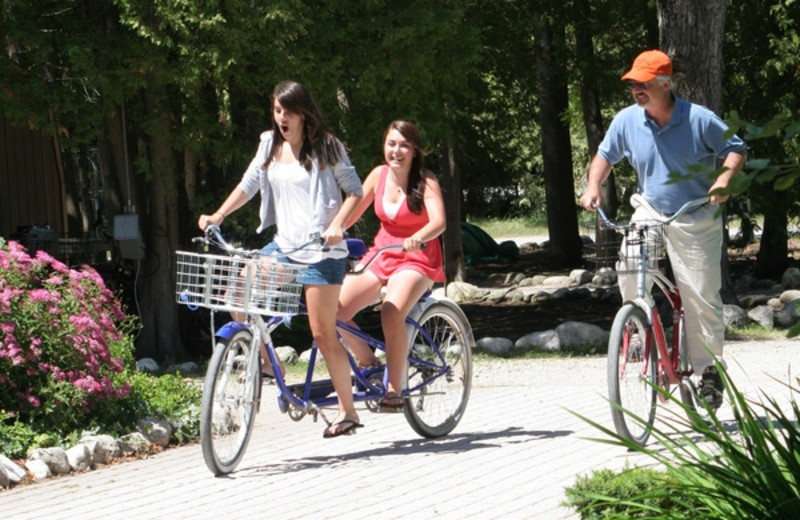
(167, 396)
(61, 343)
(605, 493)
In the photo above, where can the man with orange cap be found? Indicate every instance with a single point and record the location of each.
(662, 135)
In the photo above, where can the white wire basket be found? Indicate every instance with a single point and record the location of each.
(651, 236)
(243, 285)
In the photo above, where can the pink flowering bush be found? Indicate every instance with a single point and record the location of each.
(62, 348)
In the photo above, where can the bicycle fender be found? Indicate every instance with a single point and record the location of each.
(433, 298)
(421, 306)
(644, 306)
(229, 329)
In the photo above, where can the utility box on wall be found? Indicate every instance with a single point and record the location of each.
(126, 233)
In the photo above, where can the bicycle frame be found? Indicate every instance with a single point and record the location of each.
(264, 296)
(309, 401)
(673, 362)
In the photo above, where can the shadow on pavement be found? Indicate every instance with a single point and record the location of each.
(453, 444)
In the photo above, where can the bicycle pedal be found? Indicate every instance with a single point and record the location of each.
(283, 404)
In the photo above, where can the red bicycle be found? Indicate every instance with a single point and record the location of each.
(640, 358)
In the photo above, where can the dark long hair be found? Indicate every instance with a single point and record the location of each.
(318, 141)
(415, 189)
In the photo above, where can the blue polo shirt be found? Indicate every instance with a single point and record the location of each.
(694, 136)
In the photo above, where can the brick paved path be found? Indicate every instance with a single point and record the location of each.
(513, 454)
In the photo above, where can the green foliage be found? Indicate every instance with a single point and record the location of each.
(168, 396)
(749, 471)
(608, 494)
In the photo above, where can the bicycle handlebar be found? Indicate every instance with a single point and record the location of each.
(213, 236)
(692, 204)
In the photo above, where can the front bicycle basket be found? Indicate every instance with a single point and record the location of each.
(642, 238)
(273, 287)
(242, 285)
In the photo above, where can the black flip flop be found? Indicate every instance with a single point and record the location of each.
(349, 429)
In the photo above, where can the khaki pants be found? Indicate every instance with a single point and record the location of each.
(694, 247)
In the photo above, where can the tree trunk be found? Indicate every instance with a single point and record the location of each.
(451, 192)
(160, 335)
(772, 257)
(692, 33)
(605, 239)
(562, 221)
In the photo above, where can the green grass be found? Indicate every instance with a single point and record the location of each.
(518, 226)
(754, 332)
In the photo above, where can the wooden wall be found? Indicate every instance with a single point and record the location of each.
(31, 181)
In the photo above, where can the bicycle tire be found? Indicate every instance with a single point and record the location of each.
(434, 409)
(632, 374)
(230, 402)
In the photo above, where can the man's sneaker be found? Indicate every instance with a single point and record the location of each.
(710, 387)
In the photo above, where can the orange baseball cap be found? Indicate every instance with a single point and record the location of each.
(648, 65)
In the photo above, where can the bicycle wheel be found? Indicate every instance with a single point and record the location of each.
(632, 374)
(439, 370)
(230, 402)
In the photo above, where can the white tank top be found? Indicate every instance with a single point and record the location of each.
(393, 208)
(291, 187)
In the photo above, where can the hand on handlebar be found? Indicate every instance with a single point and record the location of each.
(214, 219)
(332, 236)
(412, 244)
(590, 200)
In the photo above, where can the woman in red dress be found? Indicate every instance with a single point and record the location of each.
(408, 202)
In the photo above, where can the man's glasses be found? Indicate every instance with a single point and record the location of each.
(636, 84)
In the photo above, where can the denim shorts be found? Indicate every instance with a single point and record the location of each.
(329, 271)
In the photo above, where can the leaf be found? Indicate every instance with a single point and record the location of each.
(757, 164)
(786, 181)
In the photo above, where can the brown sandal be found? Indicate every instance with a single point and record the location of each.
(391, 402)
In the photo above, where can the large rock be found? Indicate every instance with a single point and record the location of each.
(791, 278)
(787, 316)
(578, 334)
(462, 291)
(496, 346)
(790, 296)
(184, 369)
(55, 458)
(134, 443)
(157, 431)
(104, 448)
(39, 469)
(734, 317)
(10, 472)
(79, 457)
(764, 315)
(542, 340)
(580, 276)
(287, 354)
(148, 365)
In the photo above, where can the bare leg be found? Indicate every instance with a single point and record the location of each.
(403, 290)
(321, 301)
(358, 291)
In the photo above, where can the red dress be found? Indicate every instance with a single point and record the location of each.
(427, 261)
